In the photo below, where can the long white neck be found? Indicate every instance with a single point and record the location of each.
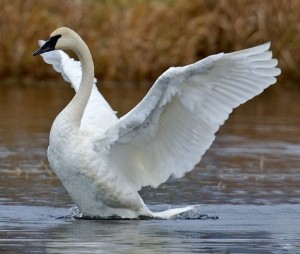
(77, 105)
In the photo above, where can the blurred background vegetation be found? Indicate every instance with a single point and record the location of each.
(135, 40)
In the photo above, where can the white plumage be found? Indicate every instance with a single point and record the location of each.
(105, 160)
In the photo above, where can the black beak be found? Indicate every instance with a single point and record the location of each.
(48, 46)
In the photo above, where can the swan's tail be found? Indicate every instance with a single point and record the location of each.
(188, 211)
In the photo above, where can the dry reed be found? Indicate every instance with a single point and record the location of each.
(137, 40)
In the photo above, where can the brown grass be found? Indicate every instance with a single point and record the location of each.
(137, 40)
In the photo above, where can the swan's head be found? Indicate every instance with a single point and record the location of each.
(62, 38)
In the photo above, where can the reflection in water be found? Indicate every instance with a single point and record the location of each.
(253, 166)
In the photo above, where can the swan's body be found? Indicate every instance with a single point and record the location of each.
(103, 161)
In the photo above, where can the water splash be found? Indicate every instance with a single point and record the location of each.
(195, 214)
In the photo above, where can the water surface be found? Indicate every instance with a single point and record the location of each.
(249, 178)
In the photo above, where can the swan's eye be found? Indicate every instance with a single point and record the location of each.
(52, 41)
(55, 37)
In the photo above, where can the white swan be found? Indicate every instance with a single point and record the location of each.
(103, 161)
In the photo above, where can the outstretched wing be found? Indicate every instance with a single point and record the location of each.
(98, 113)
(167, 133)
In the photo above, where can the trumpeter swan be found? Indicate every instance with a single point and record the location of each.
(103, 161)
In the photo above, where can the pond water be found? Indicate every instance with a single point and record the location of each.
(249, 178)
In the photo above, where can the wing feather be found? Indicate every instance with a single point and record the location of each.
(167, 133)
